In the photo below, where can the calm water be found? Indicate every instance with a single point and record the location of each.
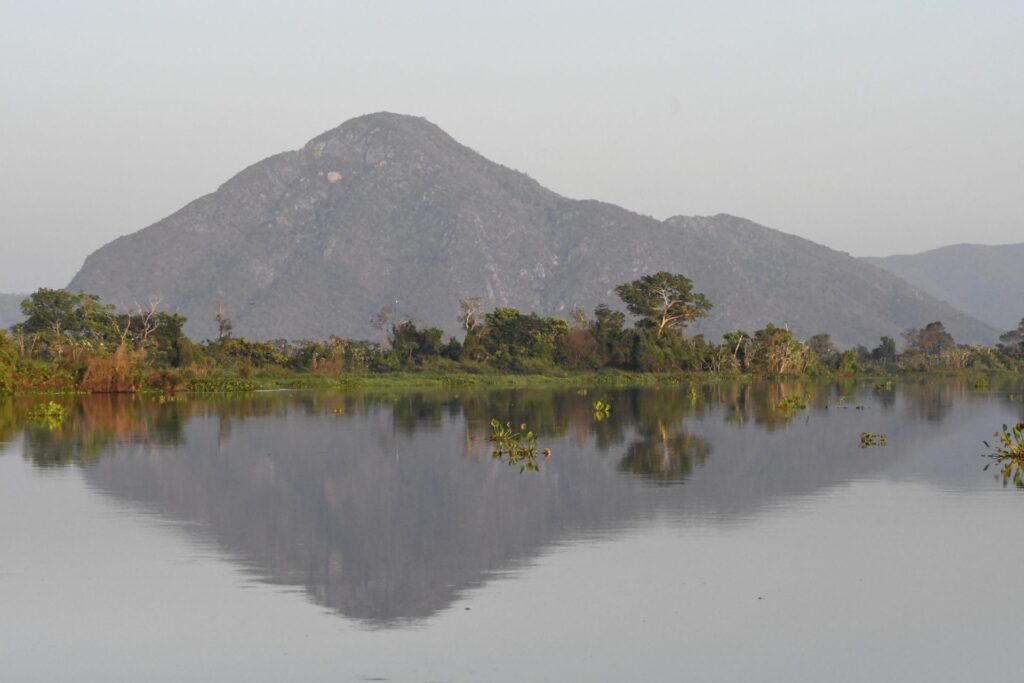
(698, 533)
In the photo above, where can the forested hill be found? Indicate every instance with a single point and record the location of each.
(388, 210)
(10, 309)
(984, 281)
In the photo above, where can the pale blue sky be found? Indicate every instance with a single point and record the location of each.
(872, 127)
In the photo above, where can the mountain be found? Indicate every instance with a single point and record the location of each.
(985, 281)
(10, 309)
(389, 210)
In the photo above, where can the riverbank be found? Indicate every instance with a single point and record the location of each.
(433, 379)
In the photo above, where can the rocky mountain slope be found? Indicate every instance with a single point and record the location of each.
(389, 210)
(985, 281)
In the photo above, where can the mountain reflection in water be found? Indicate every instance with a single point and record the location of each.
(387, 507)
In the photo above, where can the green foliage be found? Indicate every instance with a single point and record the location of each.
(516, 447)
(664, 301)
(385, 361)
(8, 364)
(59, 324)
(257, 354)
(614, 342)
(776, 352)
(412, 346)
(885, 352)
(1008, 455)
(508, 337)
(848, 363)
(602, 409)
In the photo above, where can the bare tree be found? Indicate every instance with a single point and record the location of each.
(223, 323)
(147, 321)
(471, 312)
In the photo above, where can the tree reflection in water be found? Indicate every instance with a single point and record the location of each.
(665, 457)
(387, 506)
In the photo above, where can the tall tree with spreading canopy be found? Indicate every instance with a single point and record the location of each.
(932, 340)
(664, 301)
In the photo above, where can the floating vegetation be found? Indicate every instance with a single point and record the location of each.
(791, 404)
(50, 414)
(981, 384)
(581, 392)
(1015, 398)
(221, 385)
(1008, 455)
(602, 410)
(883, 385)
(516, 447)
(871, 440)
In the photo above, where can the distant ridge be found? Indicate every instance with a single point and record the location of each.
(388, 209)
(985, 281)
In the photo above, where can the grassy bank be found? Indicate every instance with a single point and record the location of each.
(587, 379)
(427, 379)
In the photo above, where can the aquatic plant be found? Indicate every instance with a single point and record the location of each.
(516, 447)
(883, 385)
(1008, 454)
(868, 440)
(602, 409)
(50, 414)
(791, 404)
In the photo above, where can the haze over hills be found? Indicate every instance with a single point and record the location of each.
(389, 210)
(985, 281)
(10, 309)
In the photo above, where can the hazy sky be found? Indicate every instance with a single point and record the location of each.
(872, 127)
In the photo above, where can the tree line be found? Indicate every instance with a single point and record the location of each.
(70, 340)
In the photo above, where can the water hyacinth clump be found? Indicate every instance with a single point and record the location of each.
(602, 409)
(868, 440)
(1008, 454)
(516, 447)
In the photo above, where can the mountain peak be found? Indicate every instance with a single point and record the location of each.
(388, 209)
(379, 130)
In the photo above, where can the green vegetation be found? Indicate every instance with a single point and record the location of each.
(869, 440)
(602, 410)
(516, 447)
(75, 343)
(1008, 455)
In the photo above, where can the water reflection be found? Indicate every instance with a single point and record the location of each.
(386, 507)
